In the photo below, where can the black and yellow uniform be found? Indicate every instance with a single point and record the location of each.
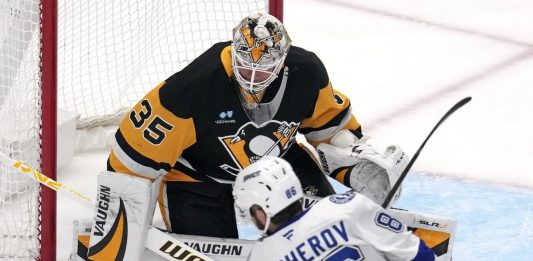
(193, 129)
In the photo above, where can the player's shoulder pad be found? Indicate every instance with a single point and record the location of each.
(188, 88)
(302, 61)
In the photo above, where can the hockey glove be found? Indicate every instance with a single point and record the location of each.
(359, 166)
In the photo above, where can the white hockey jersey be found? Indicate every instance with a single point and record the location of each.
(345, 226)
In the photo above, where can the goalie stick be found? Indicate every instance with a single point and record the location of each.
(412, 161)
(157, 241)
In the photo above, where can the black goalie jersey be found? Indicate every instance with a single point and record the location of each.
(193, 127)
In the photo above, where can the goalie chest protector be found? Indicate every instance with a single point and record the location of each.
(196, 114)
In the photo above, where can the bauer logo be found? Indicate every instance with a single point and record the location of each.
(251, 175)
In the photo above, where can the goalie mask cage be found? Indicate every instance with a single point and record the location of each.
(94, 58)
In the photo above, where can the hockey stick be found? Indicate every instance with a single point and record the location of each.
(412, 161)
(157, 241)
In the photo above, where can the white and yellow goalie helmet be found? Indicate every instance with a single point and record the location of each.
(269, 183)
(260, 45)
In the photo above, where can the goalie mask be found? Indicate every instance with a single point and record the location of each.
(260, 45)
(269, 183)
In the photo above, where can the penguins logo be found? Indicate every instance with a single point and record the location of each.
(251, 142)
(261, 39)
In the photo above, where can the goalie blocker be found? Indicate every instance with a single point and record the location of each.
(123, 212)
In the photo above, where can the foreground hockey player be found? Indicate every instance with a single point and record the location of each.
(345, 226)
(237, 102)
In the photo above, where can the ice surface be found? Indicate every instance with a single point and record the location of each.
(495, 222)
(403, 64)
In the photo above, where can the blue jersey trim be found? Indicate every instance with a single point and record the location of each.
(291, 220)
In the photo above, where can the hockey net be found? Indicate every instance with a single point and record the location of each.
(109, 54)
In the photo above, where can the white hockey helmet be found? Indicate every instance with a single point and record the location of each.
(260, 45)
(269, 183)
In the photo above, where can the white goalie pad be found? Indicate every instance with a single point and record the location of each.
(123, 207)
(437, 232)
(220, 249)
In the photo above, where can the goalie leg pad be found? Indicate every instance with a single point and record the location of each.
(124, 203)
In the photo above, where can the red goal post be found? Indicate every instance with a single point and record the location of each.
(59, 55)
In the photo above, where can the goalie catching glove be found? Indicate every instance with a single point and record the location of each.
(357, 165)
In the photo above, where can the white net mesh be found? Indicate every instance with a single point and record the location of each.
(110, 53)
(19, 126)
